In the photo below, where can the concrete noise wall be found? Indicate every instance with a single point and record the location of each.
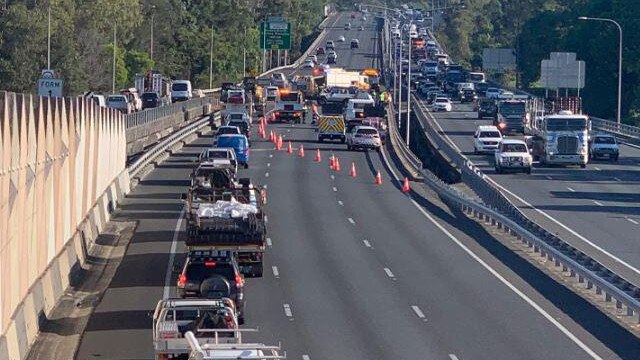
(62, 168)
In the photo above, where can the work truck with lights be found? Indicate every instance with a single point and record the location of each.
(289, 106)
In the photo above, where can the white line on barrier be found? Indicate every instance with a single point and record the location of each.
(172, 254)
(617, 179)
(497, 275)
(597, 203)
(418, 312)
(597, 168)
(570, 189)
(549, 177)
(631, 220)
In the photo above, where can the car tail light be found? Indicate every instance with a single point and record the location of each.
(239, 281)
(182, 280)
(277, 113)
(360, 115)
(210, 263)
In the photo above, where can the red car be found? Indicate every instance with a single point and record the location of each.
(320, 51)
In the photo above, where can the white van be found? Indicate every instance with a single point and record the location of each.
(181, 90)
(355, 108)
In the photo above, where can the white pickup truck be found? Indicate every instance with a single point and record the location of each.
(233, 351)
(336, 95)
(208, 320)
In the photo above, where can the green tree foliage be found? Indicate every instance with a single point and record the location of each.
(82, 34)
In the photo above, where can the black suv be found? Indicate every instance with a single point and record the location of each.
(150, 100)
(214, 275)
(487, 108)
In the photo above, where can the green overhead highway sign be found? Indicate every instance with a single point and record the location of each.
(275, 34)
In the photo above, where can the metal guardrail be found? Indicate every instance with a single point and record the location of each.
(151, 155)
(399, 143)
(615, 128)
(150, 115)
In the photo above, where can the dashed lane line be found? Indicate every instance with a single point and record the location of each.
(418, 312)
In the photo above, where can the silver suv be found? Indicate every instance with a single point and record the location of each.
(363, 137)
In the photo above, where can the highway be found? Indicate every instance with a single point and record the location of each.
(598, 205)
(353, 270)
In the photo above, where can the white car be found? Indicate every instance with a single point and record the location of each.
(493, 92)
(486, 139)
(513, 154)
(309, 64)
(604, 145)
(441, 104)
(341, 39)
(364, 137)
(120, 102)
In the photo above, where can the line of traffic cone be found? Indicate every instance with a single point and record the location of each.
(289, 148)
(332, 162)
(405, 186)
(318, 158)
(301, 151)
(336, 165)
(279, 143)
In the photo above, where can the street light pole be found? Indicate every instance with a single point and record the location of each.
(211, 60)
(49, 40)
(409, 92)
(619, 113)
(153, 14)
(113, 82)
(400, 81)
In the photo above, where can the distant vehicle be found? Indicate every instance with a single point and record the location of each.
(240, 145)
(331, 128)
(197, 93)
(332, 57)
(341, 38)
(441, 104)
(347, 26)
(97, 99)
(241, 120)
(336, 95)
(181, 90)
(313, 58)
(308, 64)
(487, 107)
(468, 95)
(604, 146)
(512, 154)
(279, 80)
(330, 45)
(228, 129)
(364, 137)
(271, 93)
(133, 97)
(249, 83)
(493, 92)
(290, 107)
(320, 51)
(476, 77)
(151, 100)
(361, 27)
(565, 139)
(512, 116)
(355, 108)
(355, 43)
(206, 275)
(120, 102)
(481, 88)
(486, 139)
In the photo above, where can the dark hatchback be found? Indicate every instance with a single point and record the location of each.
(150, 100)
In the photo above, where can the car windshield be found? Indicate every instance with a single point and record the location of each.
(115, 99)
(368, 132)
(289, 96)
(514, 109)
(219, 154)
(441, 100)
(604, 140)
(579, 124)
(149, 96)
(179, 87)
(490, 134)
(236, 116)
(240, 124)
(228, 130)
(514, 148)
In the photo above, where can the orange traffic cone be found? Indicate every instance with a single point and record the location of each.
(378, 180)
(318, 158)
(405, 185)
(301, 151)
(272, 137)
(289, 148)
(279, 142)
(336, 165)
(353, 173)
(332, 162)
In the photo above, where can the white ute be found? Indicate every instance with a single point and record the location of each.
(513, 154)
(486, 139)
(237, 350)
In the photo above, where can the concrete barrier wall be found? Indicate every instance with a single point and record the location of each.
(62, 170)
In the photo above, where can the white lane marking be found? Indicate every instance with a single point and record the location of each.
(270, 155)
(172, 254)
(570, 189)
(389, 273)
(276, 272)
(617, 179)
(333, 177)
(453, 357)
(265, 186)
(631, 220)
(287, 310)
(335, 188)
(269, 243)
(306, 357)
(418, 312)
(266, 174)
(506, 282)
(268, 164)
(598, 203)
(549, 177)
(367, 244)
(340, 203)
(266, 219)
(351, 221)
(597, 168)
